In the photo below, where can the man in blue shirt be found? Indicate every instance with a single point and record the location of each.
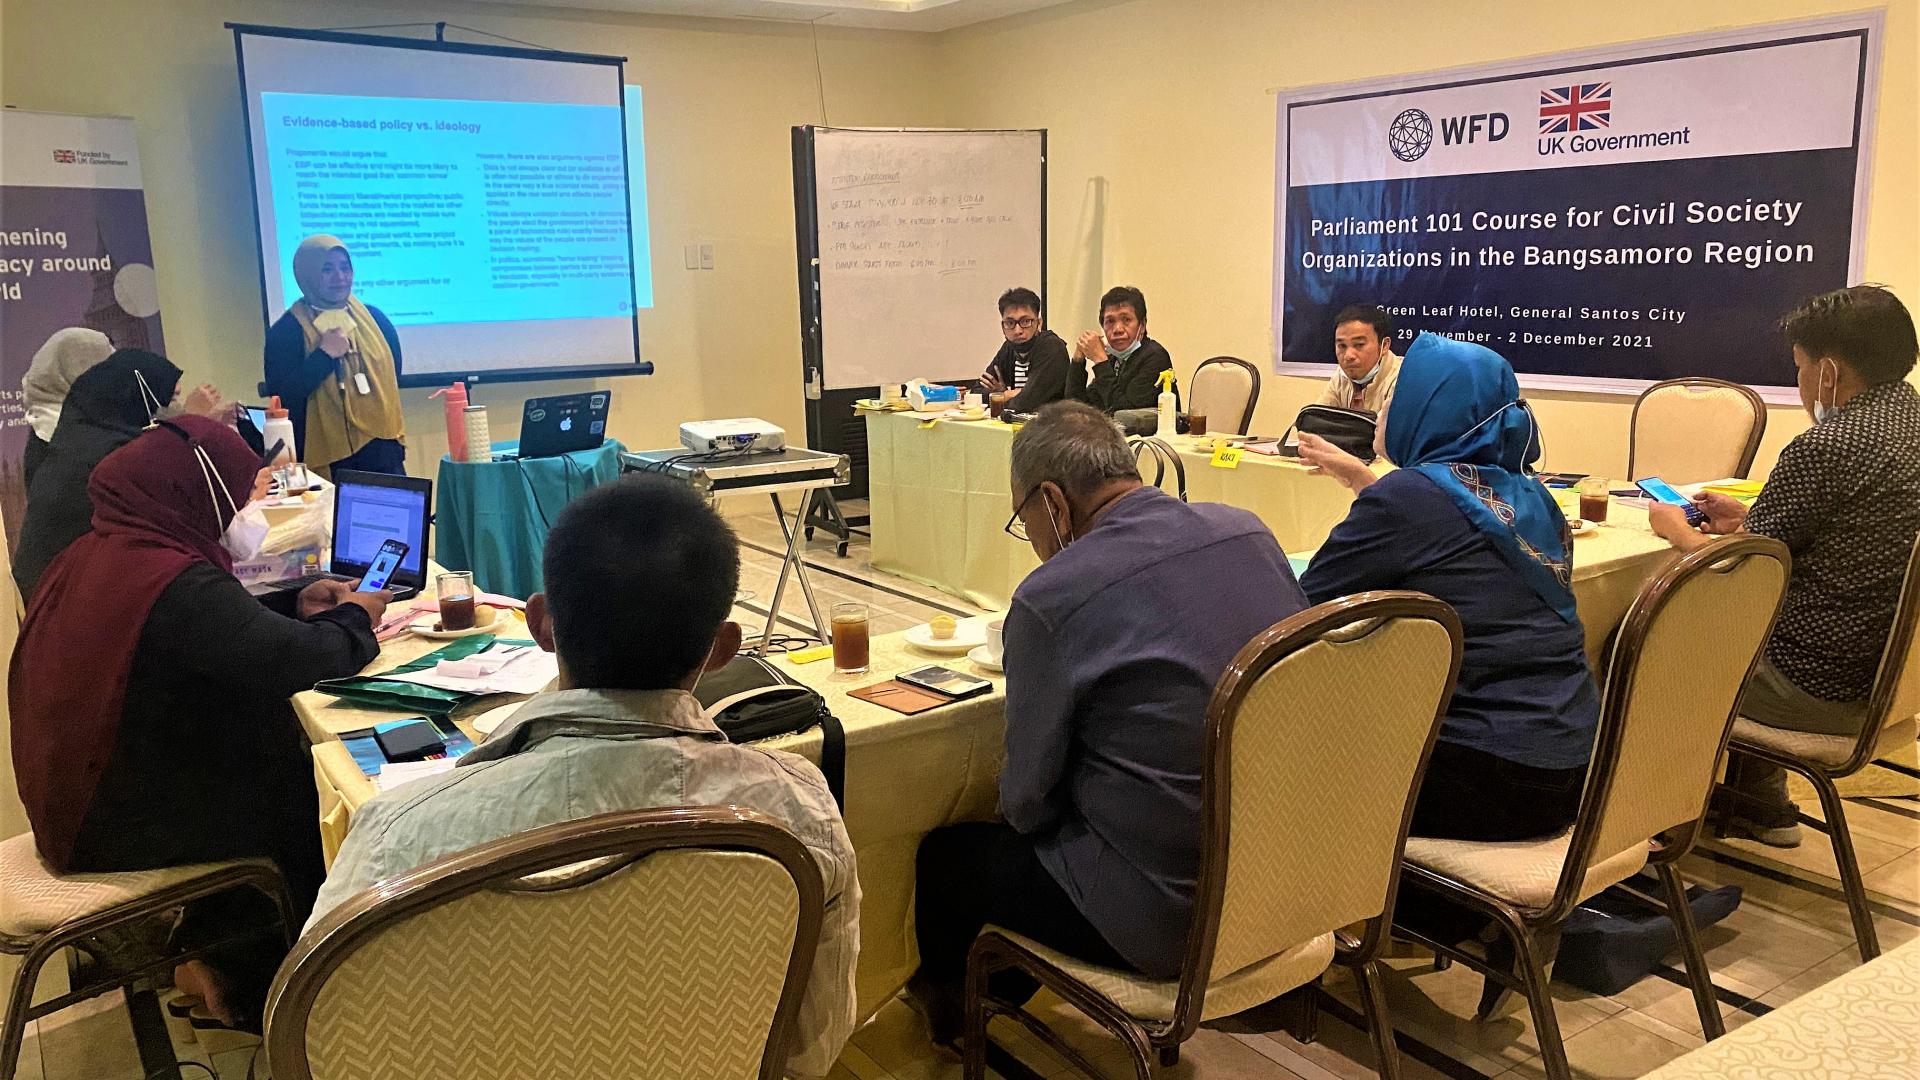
(1113, 647)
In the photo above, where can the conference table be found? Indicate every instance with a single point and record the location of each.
(908, 775)
(938, 494)
(905, 777)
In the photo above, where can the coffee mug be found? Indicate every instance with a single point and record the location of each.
(996, 643)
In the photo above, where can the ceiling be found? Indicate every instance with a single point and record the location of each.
(930, 16)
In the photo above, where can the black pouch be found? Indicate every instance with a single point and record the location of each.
(752, 700)
(1349, 429)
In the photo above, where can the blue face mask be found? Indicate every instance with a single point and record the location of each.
(1367, 379)
(1131, 349)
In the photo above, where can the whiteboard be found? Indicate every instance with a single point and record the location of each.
(919, 233)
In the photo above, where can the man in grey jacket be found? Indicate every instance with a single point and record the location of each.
(641, 576)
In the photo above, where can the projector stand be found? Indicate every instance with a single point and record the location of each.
(826, 515)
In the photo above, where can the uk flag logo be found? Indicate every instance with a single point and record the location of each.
(63, 157)
(1585, 107)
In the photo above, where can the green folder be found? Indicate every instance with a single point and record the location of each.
(376, 692)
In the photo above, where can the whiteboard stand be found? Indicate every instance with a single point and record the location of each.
(905, 235)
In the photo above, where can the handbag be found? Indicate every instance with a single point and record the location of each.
(751, 700)
(1351, 430)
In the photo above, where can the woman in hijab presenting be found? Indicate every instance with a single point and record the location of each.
(334, 362)
(149, 698)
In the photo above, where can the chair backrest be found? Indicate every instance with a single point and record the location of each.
(1681, 658)
(1165, 458)
(1316, 739)
(1896, 688)
(661, 943)
(1687, 431)
(1225, 389)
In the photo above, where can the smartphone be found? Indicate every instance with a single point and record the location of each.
(1655, 488)
(945, 681)
(384, 564)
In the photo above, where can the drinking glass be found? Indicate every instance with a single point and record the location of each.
(850, 637)
(1593, 499)
(455, 591)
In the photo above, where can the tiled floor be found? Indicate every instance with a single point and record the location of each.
(1790, 934)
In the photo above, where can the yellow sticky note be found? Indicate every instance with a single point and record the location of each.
(925, 424)
(808, 656)
(1227, 457)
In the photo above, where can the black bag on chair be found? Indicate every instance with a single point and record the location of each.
(750, 700)
(1351, 430)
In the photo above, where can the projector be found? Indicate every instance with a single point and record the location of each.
(744, 434)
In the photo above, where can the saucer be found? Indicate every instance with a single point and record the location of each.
(980, 656)
(1581, 527)
(967, 634)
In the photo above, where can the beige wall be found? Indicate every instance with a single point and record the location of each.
(1161, 150)
(720, 98)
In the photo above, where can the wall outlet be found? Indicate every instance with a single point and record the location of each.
(706, 256)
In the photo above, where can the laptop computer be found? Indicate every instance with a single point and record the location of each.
(550, 426)
(368, 510)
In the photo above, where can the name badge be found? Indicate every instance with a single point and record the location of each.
(361, 384)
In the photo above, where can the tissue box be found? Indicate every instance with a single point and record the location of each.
(296, 563)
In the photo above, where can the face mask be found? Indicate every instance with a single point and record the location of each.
(248, 530)
(1131, 349)
(156, 409)
(1822, 410)
(1533, 435)
(1060, 542)
(1367, 379)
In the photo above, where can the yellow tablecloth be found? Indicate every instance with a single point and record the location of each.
(1865, 1023)
(906, 776)
(940, 500)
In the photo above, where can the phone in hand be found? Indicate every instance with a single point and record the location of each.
(1661, 491)
(945, 681)
(384, 564)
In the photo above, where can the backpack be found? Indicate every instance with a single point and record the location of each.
(751, 700)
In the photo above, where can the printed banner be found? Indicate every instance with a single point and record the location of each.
(74, 251)
(1603, 221)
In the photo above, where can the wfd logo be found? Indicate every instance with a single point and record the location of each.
(1410, 135)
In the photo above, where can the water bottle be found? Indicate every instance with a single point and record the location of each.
(456, 406)
(479, 439)
(279, 429)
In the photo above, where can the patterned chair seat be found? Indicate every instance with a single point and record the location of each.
(1153, 999)
(1521, 872)
(1829, 750)
(35, 900)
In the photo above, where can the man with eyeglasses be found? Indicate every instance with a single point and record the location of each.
(1113, 647)
(1030, 370)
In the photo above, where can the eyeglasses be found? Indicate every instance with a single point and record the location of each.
(1027, 323)
(1015, 527)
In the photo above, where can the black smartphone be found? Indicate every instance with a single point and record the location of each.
(380, 571)
(945, 681)
(1655, 488)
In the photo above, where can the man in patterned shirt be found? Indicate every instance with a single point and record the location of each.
(1845, 499)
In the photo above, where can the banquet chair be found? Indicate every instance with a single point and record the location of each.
(1688, 431)
(645, 945)
(1224, 390)
(1827, 759)
(1302, 822)
(43, 912)
(1665, 714)
(1165, 459)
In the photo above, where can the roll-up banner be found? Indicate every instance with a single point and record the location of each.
(74, 251)
(1603, 220)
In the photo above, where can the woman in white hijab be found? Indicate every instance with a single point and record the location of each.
(334, 363)
(44, 389)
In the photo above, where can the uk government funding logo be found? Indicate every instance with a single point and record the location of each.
(1578, 119)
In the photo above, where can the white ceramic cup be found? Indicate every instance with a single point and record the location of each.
(975, 400)
(996, 643)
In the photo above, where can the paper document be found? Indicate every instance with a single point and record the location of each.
(527, 670)
(395, 773)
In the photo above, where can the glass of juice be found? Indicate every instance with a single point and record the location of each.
(455, 591)
(850, 633)
(1593, 499)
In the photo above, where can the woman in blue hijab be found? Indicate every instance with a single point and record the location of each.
(1462, 518)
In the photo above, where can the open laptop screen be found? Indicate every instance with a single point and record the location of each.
(371, 508)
